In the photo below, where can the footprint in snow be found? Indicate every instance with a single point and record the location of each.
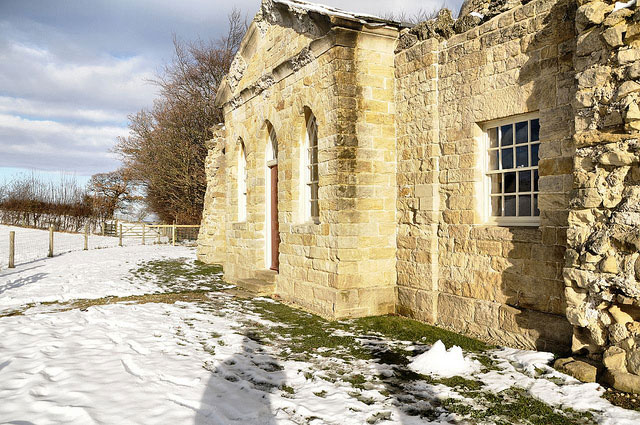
(138, 348)
(184, 382)
(115, 338)
(39, 392)
(54, 374)
(132, 368)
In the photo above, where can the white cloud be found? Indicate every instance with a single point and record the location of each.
(36, 73)
(71, 71)
(52, 145)
(22, 107)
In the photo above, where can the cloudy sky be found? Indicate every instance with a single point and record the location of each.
(72, 70)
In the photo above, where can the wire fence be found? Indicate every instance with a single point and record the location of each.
(34, 244)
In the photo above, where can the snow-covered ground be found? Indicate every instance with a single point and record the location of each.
(33, 244)
(219, 359)
(82, 274)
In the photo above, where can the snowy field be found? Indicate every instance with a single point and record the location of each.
(190, 352)
(33, 244)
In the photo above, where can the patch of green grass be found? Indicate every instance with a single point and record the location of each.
(624, 400)
(307, 333)
(362, 399)
(460, 382)
(287, 389)
(357, 380)
(515, 406)
(321, 394)
(401, 328)
(83, 304)
(179, 273)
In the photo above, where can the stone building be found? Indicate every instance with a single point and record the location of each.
(478, 173)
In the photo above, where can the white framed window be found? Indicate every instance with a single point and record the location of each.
(242, 182)
(511, 177)
(309, 168)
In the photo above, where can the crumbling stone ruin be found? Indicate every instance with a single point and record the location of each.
(602, 272)
(479, 173)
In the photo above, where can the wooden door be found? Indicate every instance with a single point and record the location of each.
(275, 231)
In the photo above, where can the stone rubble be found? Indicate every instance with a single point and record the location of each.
(602, 274)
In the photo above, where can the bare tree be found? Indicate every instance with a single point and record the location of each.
(111, 192)
(414, 17)
(166, 147)
(30, 200)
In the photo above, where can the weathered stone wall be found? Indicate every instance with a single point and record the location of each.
(499, 283)
(345, 264)
(402, 220)
(212, 236)
(603, 271)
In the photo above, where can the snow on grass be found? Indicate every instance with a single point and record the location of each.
(187, 352)
(530, 371)
(82, 274)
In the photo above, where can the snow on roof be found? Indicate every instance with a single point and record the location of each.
(298, 5)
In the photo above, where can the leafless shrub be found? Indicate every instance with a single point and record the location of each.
(30, 200)
(166, 147)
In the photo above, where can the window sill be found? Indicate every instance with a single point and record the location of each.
(306, 227)
(514, 222)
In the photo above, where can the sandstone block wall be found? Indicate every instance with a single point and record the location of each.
(212, 246)
(602, 273)
(344, 265)
(501, 283)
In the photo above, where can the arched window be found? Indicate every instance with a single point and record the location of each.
(272, 146)
(311, 209)
(242, 182)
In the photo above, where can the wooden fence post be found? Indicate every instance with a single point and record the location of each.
(86, 236)
(12, 249)
(144, 229)
(50, 241)
(104, 226)
(158, 229)
(120, 243)
(174, 234)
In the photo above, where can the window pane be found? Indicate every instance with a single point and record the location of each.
(535, 148)
(524, 181)
(536, 211)
(524, 205)
(510, 206)
(535, 130)
(535, 180)
(493, 137)
(493, 160)
(496, 183)
(522, 132)
(507, 158)
(522, 156)
(510, 182)
(315, 209)
(496, 206)
(506, 135)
